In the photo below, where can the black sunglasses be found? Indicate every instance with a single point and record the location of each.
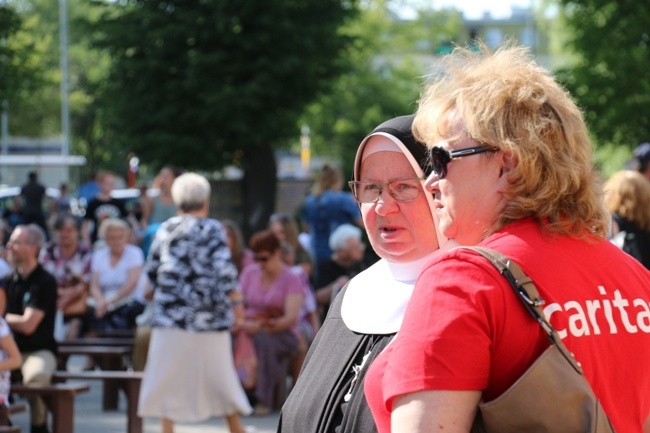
(440, 157)
(261, 258)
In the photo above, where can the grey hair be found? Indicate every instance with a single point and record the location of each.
(190, 191)
(339, 237)
(35, 235)
(113, 223)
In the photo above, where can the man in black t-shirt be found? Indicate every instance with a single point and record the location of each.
(31, 309)
(101, 208)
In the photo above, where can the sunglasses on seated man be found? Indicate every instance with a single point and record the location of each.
(439, 157)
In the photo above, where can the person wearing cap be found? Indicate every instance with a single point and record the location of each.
(363, 319)
(641, 160)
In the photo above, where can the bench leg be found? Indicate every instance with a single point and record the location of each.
(62, 362)
(110, 392)
(62, 408)
(132, 391)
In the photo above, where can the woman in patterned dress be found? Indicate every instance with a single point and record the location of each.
(190, 375)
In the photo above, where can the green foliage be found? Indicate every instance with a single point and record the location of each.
(35, 109)
(21, 68)
(609, 158)
(383, 78)
(203, 84)
(610, 77)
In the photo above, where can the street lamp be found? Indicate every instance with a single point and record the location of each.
(305, 151)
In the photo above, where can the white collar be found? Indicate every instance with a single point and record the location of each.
(375, 300)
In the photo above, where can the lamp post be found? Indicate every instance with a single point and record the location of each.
(65, 108)
(305, 151)
(4, 119)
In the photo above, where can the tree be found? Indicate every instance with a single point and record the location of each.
(610, 78)
(21, 70)
(35, 108)
(385, 69)
(204, 84)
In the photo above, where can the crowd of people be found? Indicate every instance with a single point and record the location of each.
(163, 269)
(497, 155)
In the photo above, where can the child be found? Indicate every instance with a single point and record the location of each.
(10, 359)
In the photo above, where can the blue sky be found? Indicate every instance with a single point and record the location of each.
(474, 8)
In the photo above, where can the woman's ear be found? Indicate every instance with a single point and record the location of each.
(507, 161)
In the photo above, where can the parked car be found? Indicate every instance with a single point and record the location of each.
(7, 194)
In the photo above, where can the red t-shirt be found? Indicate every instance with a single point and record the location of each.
(465, 329)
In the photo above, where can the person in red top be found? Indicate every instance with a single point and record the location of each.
(512, 172)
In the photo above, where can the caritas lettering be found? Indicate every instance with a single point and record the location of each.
(602, 315)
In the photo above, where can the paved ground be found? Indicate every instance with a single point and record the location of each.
(89, 417)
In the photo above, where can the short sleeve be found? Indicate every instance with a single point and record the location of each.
(4, 328)
(464, 329)
(135, 256)
(43, 294)
(445, 339)
(96, 262)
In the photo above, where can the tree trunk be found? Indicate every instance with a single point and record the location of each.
(259, 189)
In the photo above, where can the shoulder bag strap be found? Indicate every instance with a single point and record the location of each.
(528, 294)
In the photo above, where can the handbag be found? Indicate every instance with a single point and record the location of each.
(79, 305)
(552, 396)
(245, 358)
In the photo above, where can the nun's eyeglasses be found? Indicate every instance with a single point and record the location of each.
(401, 189)
(440, 157)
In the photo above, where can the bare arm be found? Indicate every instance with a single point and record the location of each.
(96, 292)
(326, 294)
(288, 320)
(26, 323)
(85, 231)
(237, 299)
(147, 206)
(129, 285)
(3, 301)
(435, 412)
(14, 359)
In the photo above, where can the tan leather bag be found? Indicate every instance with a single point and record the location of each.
(552, 396)
(79, 305)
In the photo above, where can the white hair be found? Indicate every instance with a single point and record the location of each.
(190, 191)
(339, 237)
(111, 224)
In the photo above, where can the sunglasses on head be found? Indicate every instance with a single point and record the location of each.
(439, 157)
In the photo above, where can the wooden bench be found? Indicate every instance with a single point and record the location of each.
(109, 358)
(59, 399)
(128, 381)
(98, 341)
(11, 410)
(117, 333)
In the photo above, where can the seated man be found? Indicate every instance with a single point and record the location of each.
(346, 261)
(31, 308)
